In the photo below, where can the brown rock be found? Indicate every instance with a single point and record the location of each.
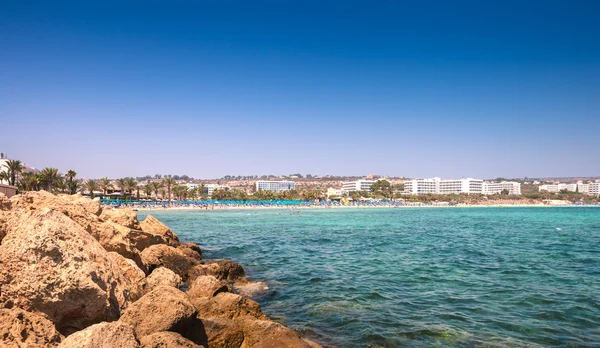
(168, 256)
(167, 339)
(191, 249)
(5, 203)
(227, 305)
(163, 309)
(114, 237)
(128, 267)
(154, 226)
(223, 333)
(103, 335)
(121, 216)
(250, 289)
(161, 276)
(23, 329)
(195, 272)
(51, 265)
(91, 205)
(268, 334)
(207, 286)
(225, 270)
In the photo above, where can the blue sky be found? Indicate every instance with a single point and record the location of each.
(414, 88)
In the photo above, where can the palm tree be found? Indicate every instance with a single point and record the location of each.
(105, 185)
(157, 186)
(71, 181)
(169, 182)
(130, 185)
(61, 184)
(14, 167)
(122, 183)
(148, 188)
(28, 182)
(91, 186)
(4, 176)
(49, 177)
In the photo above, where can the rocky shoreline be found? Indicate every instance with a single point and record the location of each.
(75, 274)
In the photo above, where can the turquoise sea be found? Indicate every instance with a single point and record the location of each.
(417, 277)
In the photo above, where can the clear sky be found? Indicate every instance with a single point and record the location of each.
(414, 88)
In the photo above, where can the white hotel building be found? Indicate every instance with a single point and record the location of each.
(458, 186)
(358, 185)
(275, 186)
(558, 187)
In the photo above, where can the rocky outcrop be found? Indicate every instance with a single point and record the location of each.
(4, 202)
(51, 265)
(124, 217)
(163, 309)
(207, 286)
(225, 270)
(153, 226)
(115, 334)
(269, 334)
(167, 340)
(169, 257)
(23, 329)
(161, 276)
(223, 333)
(227, 305)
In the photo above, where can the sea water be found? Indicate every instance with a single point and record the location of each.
(416, 277)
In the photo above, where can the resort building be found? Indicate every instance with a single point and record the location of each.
(358, 185)
(513, 188)
(594, 189)
(275, 186)
(443, 186)
(558, 187)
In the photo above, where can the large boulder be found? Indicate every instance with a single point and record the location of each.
(154, 226)
(191, 249)
(167, 340)
(23, 329)
(51, 265)
(163, 309)
(91, 205)
(269, 334)
(223, 333)
(227, 305)
(207, 286)
(250, 289)
(121, 216)
(225, 270)
(170, 257)
(5, 203)
(161, 276)
(114, 237)
(103, 335)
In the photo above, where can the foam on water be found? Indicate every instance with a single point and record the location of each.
(417, 277)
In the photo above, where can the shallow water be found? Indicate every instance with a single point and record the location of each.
(417, 276)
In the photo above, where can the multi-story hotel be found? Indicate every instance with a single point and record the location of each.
(358, 185)
(457, 186)
(594, 189)
(275, 186)
(558, 187)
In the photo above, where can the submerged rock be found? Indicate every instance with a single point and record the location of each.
(23, 329)
(103, 335)
(51, 265)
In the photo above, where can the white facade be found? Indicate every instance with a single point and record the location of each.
(513, 188)
(275, 186)
(358, 185)
(594, 189)
(558, 187)
(443, 186)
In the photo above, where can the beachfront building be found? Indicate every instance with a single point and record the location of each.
(332, 191)
(358, 185)
(594, 189)
(443, 186)
(558, 187)
(512, 187)
(275, 186)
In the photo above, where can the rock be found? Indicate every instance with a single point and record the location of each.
(250, 289)
(114, 237)
(191, 249)
(227, 305)
(91, 205)
(103, 335)
(163, 309)
(51, 265)
(167, 340)
(207, 286)
(167, 256)
(225, 270)
(161, 276)
(223, 333)
(195, 272)
(154, 226)
(23, 329)
(121, 216)
(142, 240)
(128, 267)
(268, 334)
(5, 203)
